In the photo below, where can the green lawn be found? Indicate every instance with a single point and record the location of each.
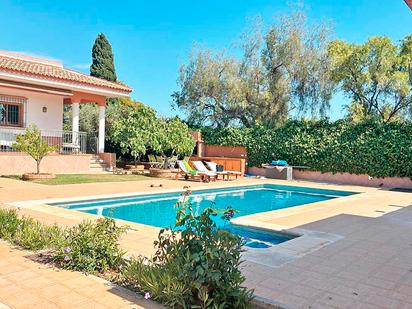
(64, 179)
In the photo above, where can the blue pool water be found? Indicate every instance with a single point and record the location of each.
(158, 209)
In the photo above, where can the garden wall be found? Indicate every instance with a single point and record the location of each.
(343, 178)
(224, 151)
(109, 159)
(15, 163)
(354, 179)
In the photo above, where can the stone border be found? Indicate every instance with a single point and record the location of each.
(211, 186)
(32, 176)
(263, 303)
(342, 178)
(305, 242)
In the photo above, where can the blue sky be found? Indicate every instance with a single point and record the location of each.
(150, 39)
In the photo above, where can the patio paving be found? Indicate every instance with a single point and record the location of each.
(369, 264)
(25, 283)
(370, 267)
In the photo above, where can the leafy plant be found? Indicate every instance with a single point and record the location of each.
(91, 247)
(34, 145)
(158, 280)
(367, 147)
(141, 131)
(282, 69)
(27, 232)
(175, 137)
(199, 258)
(137, 132)
(375, 75)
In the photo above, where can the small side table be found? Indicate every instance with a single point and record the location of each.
(278, 172)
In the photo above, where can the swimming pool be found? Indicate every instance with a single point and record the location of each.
(158, 209)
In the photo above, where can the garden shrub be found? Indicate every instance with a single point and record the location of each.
(367, 147)
(26, 232)
(91, 246)
(159, 281)
(195, 265)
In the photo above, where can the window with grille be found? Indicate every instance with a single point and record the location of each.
(11, 111)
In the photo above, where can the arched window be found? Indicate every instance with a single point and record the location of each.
(12, 110)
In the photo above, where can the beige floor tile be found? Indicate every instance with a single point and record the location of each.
(71, 298)
(373, 256)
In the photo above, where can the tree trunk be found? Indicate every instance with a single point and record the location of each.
(38, 166)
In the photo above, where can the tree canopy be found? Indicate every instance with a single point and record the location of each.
(102, 59)
(32, 143)
(281, 70)
(136, 132)
(141, 131)
(375, 75)
(176, 137)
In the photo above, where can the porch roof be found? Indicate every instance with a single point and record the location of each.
(45, 70)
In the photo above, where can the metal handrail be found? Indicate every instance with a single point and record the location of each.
(66, 141)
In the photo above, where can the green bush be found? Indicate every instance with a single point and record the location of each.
(26, 232)
(195, 265)
(368, 147)
(91, 246)
(160, 281)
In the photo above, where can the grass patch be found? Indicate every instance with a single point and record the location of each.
(65, 179)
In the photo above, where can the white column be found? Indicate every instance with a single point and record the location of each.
(102, 116)
(75, 122)
(75, 117)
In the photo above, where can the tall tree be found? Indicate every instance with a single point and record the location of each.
(102, 57)
(376, 76)
(297, 64)
(282, 70)
(137, 132)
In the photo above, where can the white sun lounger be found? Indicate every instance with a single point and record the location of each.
(203, 169)
(213, 167)
(183, 171)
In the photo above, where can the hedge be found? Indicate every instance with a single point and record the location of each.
(369, 147)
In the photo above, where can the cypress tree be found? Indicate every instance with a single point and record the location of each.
(102, 56)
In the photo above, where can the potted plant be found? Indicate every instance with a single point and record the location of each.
(32, 143)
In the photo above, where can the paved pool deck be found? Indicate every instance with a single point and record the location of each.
(358, 254)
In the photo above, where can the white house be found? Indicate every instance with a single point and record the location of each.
(33, 91)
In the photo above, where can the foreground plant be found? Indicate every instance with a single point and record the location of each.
(27, 232)
(91, 246)
(195, 265)
(32, 143)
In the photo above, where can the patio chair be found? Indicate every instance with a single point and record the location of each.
(203, 169)
(213, 167)
(153, 162)
(161, 160)
(187, 172)
(171, 162)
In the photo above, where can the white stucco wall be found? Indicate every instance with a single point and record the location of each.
(51, 120)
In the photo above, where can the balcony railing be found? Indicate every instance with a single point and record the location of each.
(67, 142)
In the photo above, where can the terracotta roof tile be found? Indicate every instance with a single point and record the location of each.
(55, 72)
